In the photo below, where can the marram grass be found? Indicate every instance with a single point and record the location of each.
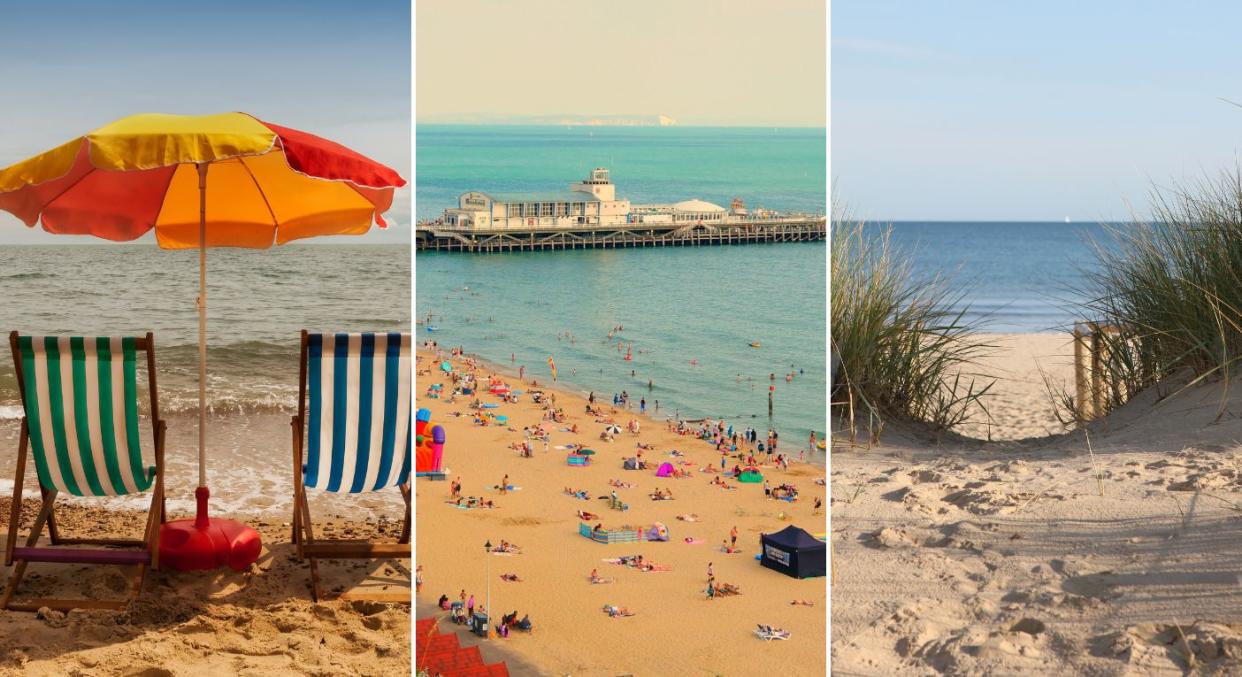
(1172, 288)
(902, 348)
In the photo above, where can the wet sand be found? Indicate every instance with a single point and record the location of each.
(249, 469)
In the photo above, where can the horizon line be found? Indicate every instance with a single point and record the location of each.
(554, 124)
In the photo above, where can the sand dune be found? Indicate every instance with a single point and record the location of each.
(1030, 557)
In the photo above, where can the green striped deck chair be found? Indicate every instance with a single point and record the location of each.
(80, 424)
(352, 434)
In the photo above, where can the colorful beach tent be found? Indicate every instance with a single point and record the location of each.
(429, 448)
(794, 552)
(630, 463)
(657, 532)
(199, 181)
(751, 476)
(664, 470)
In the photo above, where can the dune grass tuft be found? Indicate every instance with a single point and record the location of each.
(1173, 288)
(902, 348)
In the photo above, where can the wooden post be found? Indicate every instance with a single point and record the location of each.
(1081, 404)
(1098, 391)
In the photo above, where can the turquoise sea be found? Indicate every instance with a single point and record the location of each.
(773, 168)
(677, 305)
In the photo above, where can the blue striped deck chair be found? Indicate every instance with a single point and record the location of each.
(352, 434)
(80, 425)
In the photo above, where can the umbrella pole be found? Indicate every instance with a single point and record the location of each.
(201, 493)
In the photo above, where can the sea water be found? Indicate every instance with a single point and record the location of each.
(258, 303)
(1017, 277)
(772, 168)
(689, 314)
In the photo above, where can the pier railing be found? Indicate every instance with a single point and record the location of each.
(433, 236)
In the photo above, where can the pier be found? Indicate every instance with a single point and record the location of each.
(437, 236)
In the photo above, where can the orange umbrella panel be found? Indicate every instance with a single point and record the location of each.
(265, 184)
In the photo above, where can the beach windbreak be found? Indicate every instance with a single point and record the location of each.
(265, 185)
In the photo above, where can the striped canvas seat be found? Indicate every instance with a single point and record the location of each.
(81, 400)
(359, 411)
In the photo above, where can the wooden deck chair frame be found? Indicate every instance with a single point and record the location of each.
(312, 549)
(19, 557)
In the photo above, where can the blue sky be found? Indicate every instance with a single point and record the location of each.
(1029, 111)
(340, 70)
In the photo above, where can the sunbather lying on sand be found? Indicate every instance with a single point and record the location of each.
(620, 485)
(506, 546)
(801, 602)
(472, 502)
(512, 578)
(588, 516)
(615, 611)
(577, 493)
(691, 517)
(726, 589)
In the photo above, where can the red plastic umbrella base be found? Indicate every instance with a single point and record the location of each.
(207, 543)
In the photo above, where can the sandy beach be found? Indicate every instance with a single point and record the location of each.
(256, 622)
(1036, 556)
(675, 629)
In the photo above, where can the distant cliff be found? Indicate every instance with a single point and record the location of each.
(567, 120)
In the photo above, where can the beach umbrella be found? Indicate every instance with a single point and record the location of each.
(613, 429)
(226, 180)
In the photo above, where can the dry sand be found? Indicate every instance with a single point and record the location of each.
(1019, 404)
(676, 629)
(257, 622)
(980, 558)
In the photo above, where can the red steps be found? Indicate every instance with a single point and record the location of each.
(442, 654)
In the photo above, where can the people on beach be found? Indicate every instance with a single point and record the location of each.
(747, 446)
